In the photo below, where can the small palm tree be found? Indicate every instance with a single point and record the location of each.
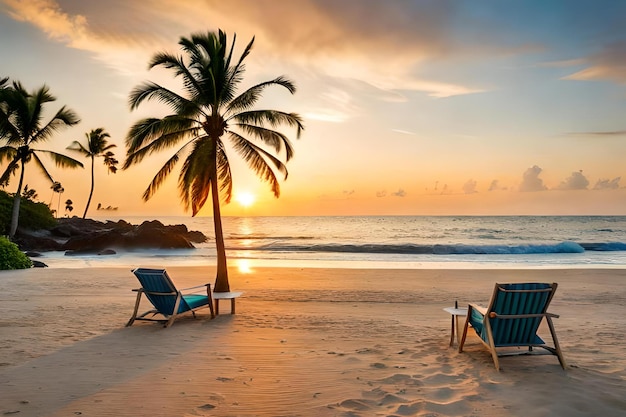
(206, 114)
(22, 128)
(97, 145)
(69, 205)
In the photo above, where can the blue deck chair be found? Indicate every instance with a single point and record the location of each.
(512, 319)
(168, 302)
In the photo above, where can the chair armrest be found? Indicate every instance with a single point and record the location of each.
(480, 309)
(195, 288)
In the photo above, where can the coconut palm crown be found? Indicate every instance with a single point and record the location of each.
(22, 128)
(97, 146)
(206, 118)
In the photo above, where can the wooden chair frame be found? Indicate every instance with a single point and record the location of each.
(488, 315)
(168, 319)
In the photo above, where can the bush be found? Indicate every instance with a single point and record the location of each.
(33, 215)
(11, 257)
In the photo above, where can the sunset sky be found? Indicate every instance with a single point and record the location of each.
(410, 107)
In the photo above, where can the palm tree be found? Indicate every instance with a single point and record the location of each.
(207, 113)
(97, 145)
(69, 205)
(21, 128)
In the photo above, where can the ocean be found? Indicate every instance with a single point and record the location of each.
(409, 242)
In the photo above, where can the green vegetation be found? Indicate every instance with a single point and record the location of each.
(21, 129)
(208, 120)
(11, 257)
(33, 215)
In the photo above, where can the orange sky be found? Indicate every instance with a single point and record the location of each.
(410, 107)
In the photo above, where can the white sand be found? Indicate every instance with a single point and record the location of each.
(304, 342)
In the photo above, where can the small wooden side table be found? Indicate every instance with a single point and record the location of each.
(456, 312)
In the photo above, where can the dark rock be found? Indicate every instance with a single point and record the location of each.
(38, 264)
(33, 254)
(79, 236)
(96, 241)
(29, 241)
(196, 237)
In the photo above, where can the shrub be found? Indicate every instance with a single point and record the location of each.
(11, 257)
(33, 215)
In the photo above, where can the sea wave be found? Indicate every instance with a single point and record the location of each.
(443, 249)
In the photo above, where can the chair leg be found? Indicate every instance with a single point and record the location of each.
(132, 318)
(210, 296)
(491, 345)
(462, 342)
(175, 312)
(557, 348)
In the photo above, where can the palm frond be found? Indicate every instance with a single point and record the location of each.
(248, 98)
(9, 170)
(63, 118)
(236, 72)
(224, 174)
(41, 166)
(160, 177)
(78, 147)
(273, 138)
(62, 161)
(7, 152)
(194, 182)
(152, 135)
(257, 159)
(272, 117)
(153, 91)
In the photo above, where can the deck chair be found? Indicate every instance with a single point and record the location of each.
(168, 302)
(512, 319)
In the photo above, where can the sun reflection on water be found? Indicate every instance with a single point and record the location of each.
(244, 266)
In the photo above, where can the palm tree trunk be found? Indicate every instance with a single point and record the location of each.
(221, 280)
(16, 205)
(91, 191)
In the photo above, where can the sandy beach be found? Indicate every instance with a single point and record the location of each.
(304, 342)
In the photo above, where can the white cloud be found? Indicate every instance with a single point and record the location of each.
(531, 181)
(606, 184)
(470, 187)
(495, 186)
(576, 181)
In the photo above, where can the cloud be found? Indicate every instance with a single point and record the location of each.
(531, 181)
(381, 194)
(48, 16)
(399, 193)
(403, 132)
(470, 187)
(348, 192)
(383, 44)
(600, 133)
(108, 30)
(606, 184)
(608, 64)
(495, 186)
(576, 181)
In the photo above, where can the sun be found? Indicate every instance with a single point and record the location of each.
(245, 198)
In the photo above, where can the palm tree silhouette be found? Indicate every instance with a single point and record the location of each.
(208, 112)
(69, 205)
(21, 128)
(56, 188)
(97, 145)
